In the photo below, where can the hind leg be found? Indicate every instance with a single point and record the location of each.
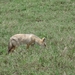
(11, 49)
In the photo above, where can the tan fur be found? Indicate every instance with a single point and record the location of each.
(28, 39)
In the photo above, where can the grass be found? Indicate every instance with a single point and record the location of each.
(53, 19)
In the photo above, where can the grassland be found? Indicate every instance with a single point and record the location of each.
(53, 19)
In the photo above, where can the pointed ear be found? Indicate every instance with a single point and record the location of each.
(43, 39)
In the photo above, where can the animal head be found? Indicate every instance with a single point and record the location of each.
(43, 43)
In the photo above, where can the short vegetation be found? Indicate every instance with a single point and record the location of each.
(52, 19)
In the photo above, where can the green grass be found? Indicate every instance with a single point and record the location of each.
(53, 19)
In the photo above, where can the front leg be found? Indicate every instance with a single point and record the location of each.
(32, 44)
(27, 46)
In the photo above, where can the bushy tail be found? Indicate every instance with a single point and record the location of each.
(9, 46)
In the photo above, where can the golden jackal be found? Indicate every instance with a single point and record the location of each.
(28, 39)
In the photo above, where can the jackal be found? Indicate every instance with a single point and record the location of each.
(28, 39)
